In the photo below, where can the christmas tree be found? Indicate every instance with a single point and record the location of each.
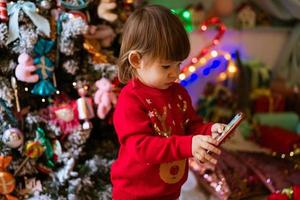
(58, 88)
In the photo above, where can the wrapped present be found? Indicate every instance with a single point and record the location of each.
(277, 139)
(269, 103)
(286, 120)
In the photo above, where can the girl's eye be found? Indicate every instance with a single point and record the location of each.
(166, 66)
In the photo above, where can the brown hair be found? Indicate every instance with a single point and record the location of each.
(153, 31)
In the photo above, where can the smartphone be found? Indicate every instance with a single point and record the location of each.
(230, 127)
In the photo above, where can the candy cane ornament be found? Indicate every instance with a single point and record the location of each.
(3, 11)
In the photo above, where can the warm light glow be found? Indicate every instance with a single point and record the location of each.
(282, 156)
(57, 92)
(203, 28)
(214, 53)
(232, 68)
(222, 76)
(227, 56)
(181, 76)
(291, 153)
(74, 84)
(192, 68)
(194, 60)
(26, 89)
(43, 100)
(202, 61)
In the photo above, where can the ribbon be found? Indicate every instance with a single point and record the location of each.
(30, 10)
(45, 68)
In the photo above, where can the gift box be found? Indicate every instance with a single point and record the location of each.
(272, 103)
(277, 139)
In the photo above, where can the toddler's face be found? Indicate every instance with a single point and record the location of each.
(158, 74)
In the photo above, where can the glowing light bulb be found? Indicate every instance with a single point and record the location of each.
(181, 76)
(26, 89)
(194, 60)
(214, 53)
(203, 28)
(232, 68)
(222, 76)
(227, 56)
(202, 61)
(192, 68)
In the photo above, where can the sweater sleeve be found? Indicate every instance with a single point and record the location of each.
(195, 124)
(136, 135)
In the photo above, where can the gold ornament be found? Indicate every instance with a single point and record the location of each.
(7, 181)
(93, 47)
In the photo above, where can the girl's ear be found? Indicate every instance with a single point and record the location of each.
(134, 58)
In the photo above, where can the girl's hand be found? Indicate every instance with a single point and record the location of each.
(217, 129)
(203, 143)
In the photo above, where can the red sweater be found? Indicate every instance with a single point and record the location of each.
(155, 129)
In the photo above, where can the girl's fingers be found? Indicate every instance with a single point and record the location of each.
(202, 156)
(211, 148)
(210, 158)
(209, 139)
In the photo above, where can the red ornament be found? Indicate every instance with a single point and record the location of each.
(215, 21)
(3, 11)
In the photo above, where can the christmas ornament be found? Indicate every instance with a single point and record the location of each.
(13, 138)
(25, 69)
(29, 9)
(45, 68)
(15, 88)
(93, 47)
(85, 107)
(33, 150)
(102, 32)
(246, 16)
(41, 137)
(63, 114)
(104, 97)
(105, 8)
(3, 11)
(45, 4)
(7, 181)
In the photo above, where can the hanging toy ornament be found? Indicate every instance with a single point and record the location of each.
(45, 4)
(25, 69)
(7, 181)
(33, 150)
(41, 137)
(85, 106)
(3, 11)
(13, 138)
(45, 69)
(15, 88)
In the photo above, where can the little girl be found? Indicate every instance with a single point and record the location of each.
(156, 125)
